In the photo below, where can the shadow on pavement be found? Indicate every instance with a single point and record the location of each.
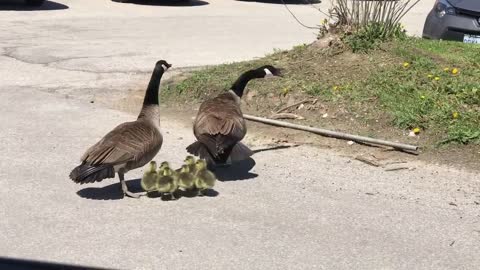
(19, 5)
(172, 3)
(23, 264)
(110, 192)
(237, 171)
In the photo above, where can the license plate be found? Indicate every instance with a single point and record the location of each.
(471, 39)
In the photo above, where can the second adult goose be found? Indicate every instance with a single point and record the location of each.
(219, 126)
(128, 146)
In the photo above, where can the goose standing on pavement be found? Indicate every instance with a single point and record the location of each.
(219, 126)
(128, 146)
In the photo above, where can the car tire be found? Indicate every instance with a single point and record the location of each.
(34, 2)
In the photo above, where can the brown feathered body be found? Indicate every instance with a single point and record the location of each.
(219, 127)
(128, 146)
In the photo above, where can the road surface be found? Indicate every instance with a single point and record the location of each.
(297, 208)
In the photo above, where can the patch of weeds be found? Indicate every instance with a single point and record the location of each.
(370, 36)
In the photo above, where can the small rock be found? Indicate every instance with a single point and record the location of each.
(325, 115)
(350, 142)
(301, 106)
(91, 101)
(412, 134)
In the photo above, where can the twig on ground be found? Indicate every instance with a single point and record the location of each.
(368, 161)
(313, 101)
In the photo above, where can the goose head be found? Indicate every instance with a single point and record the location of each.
(189, 160)
(162, 64)
(200, 164)
(269, 71)
(153, 166)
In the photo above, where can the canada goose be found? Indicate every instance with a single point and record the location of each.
(204, 179)
(219, 126)
(149, 178)
(168, 182)
(185, 178)
(128, 146)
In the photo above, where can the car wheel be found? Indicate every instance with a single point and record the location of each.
(34, 2)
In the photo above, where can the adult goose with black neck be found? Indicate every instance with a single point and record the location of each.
(128, 146)
(219, 126)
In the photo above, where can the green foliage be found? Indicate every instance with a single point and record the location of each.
(372, 35)
(409, 82)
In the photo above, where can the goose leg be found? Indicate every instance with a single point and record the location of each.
(125, 190)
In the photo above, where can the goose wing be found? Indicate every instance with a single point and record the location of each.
(127, 142)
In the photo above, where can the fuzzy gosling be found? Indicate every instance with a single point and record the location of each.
(204, 179)
(149, 179)
(168, 182)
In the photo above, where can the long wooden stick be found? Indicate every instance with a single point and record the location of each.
(330, 133)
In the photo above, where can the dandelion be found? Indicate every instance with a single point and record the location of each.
(422, 97)
(455, 115)
(406, 65)
(446, 69)
(455, 71)
(430, 76)
(416, 130)
(437, 79)
(336, 88)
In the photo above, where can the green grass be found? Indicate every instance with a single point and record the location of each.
(375, 82)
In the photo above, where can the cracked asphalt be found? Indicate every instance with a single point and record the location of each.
(296, 208)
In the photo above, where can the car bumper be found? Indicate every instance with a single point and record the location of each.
(450, 27)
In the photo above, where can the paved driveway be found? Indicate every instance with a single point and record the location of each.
(298, 208)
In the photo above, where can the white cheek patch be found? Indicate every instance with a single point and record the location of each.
(164, 67)
(268, 73)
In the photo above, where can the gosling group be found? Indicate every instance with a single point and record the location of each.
(219, 128)
(192, 176)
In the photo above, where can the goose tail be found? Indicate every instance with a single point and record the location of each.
(86, 173)
(200, 150)
(240, 152)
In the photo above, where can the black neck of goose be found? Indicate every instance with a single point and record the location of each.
(151, 96)
(239, 85)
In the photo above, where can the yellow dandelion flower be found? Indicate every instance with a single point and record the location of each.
(437, 79)
(430, 76)
(455, 115)
(455, 71)
(406, 65)
(446, 69)
(336, 88)
(416, 130)
(422, 97)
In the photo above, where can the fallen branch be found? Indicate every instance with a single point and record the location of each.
(287, 116)
(396, 169)
(367, 161)
(333, 134)
(313, 101)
